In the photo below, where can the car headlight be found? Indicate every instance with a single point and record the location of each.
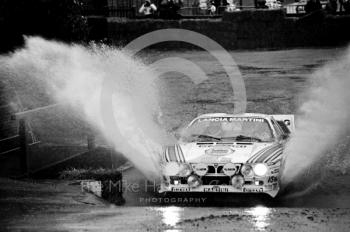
(229, 169)
(200, 169)
(247, 170)
(193, 181)
(260, 169)
(184, 170)
(237, 181)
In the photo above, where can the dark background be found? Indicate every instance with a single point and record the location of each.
(58, 19)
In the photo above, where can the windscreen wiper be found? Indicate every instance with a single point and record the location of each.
(206, 136)
(243, 137)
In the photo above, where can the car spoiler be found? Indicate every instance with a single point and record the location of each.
(285, 120)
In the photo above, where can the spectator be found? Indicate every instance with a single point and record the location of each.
(195, 7)
(312, 5)
(231, 6)
(203, 6)
(216, 3)
(148, 9)
(261, 4)
(341, 5)
(346, 5)
(273, 4)
(222, 4)
(175, 7)
(331, 6)
(169, 9)
(211, 8)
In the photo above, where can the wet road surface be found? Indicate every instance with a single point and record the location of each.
(60, 206)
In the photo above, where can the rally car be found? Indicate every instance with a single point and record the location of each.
(227, 153)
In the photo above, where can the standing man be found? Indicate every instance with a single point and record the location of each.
(148, 9)
(203, 6)
(341, 5)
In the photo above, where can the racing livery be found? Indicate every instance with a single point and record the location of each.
(228, 153)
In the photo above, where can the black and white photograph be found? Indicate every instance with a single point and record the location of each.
(175, 115)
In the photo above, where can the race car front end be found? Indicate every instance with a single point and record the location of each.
(221, 177)
(226, 153)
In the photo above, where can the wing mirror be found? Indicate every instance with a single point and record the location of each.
(284, 136)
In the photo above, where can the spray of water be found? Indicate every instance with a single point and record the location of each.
(73, 76)
(323, 120)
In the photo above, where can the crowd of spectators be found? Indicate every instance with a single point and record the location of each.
(169, 9)
(332, 6)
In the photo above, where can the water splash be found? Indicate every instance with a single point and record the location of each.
(322, 122)
(72, 75)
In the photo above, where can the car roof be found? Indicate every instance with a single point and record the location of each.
(249, 115)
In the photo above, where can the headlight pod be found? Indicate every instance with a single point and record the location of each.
(247, 170)
(193, 181)
(176, 169)
(229, 169)
(237, 181)
(200, 169)
(260, 169)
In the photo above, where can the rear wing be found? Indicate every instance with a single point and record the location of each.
(285, 121)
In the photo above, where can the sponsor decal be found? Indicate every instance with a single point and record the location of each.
(172, 199)
(181, 189)
(216, 189)
(219, 151)
(272, 179)
(200, 169)
(253, 190)
(240, 146)
(205, 145)
(230, 119)
(174, 153)
(267, 154)
(229, 169)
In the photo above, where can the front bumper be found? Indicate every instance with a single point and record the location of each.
(270, 189)
(216, 181)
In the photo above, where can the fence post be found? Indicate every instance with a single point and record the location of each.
(23, 143)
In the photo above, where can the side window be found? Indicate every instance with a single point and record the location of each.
(276, 127)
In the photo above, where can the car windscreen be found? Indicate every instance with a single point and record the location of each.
(229, 128)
